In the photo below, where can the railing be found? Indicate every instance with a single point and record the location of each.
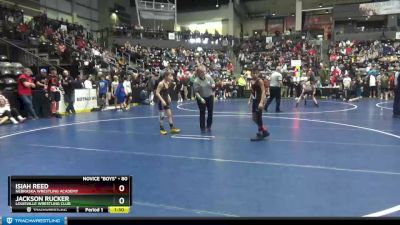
(25, 57)
(350, 30)
(153, 5)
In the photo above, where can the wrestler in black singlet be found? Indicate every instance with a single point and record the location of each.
(164, 92)
(256, 95)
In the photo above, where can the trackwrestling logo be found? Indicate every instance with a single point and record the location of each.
(33, 220)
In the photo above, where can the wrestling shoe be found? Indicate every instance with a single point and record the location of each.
(175, 130)
(263, 134)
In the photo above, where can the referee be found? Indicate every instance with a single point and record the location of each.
(203, 87)
(275, 89)
(396, 102)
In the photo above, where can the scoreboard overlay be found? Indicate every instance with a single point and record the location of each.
(70, 194)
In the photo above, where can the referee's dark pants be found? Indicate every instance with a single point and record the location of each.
(275, 92)
(241, 92)
(396, 103)
(209, 105)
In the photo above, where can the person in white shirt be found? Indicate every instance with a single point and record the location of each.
(114, 86)
(275, 89)
(346, 87)
(372, 86)
(128, 90)
(88, 83)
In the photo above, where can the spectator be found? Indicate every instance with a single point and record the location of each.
(68, 86)
(384, 87)
(23, 30)
(8, 113)
(144, 97)
(128, 91)
(25, 85)
(103, 90)
(151, 87)
(392, 85)
(372, 83)
(41, 80)
(88, 82)
(41, 101)
(79, 83)
(285, 87)
(346, 87)
(114, 86)
(53, 91)
(241, 86)
(120, 94)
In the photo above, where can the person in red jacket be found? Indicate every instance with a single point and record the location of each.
(230, 68)
(25, 85)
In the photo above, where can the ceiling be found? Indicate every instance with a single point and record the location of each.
(287, 7)
(197, 5)
(281, 7)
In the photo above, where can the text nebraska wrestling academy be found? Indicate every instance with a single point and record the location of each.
(41, 189)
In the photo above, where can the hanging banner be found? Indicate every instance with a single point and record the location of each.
(268, 39)
(380, 8)
(275, 25)
(290, 22)
(317, 22)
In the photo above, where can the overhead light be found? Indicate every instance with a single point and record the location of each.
(293, 14)
(349, 18)
(162, 5)
(274, 13)
(320, 5)
(327, 11)
(217, 5)
(116, 11)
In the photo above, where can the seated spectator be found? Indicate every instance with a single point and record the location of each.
(8, 113)
(144, 97)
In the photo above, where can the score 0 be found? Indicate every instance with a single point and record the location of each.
(122, 199)
(123, 186)
(122, 191)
